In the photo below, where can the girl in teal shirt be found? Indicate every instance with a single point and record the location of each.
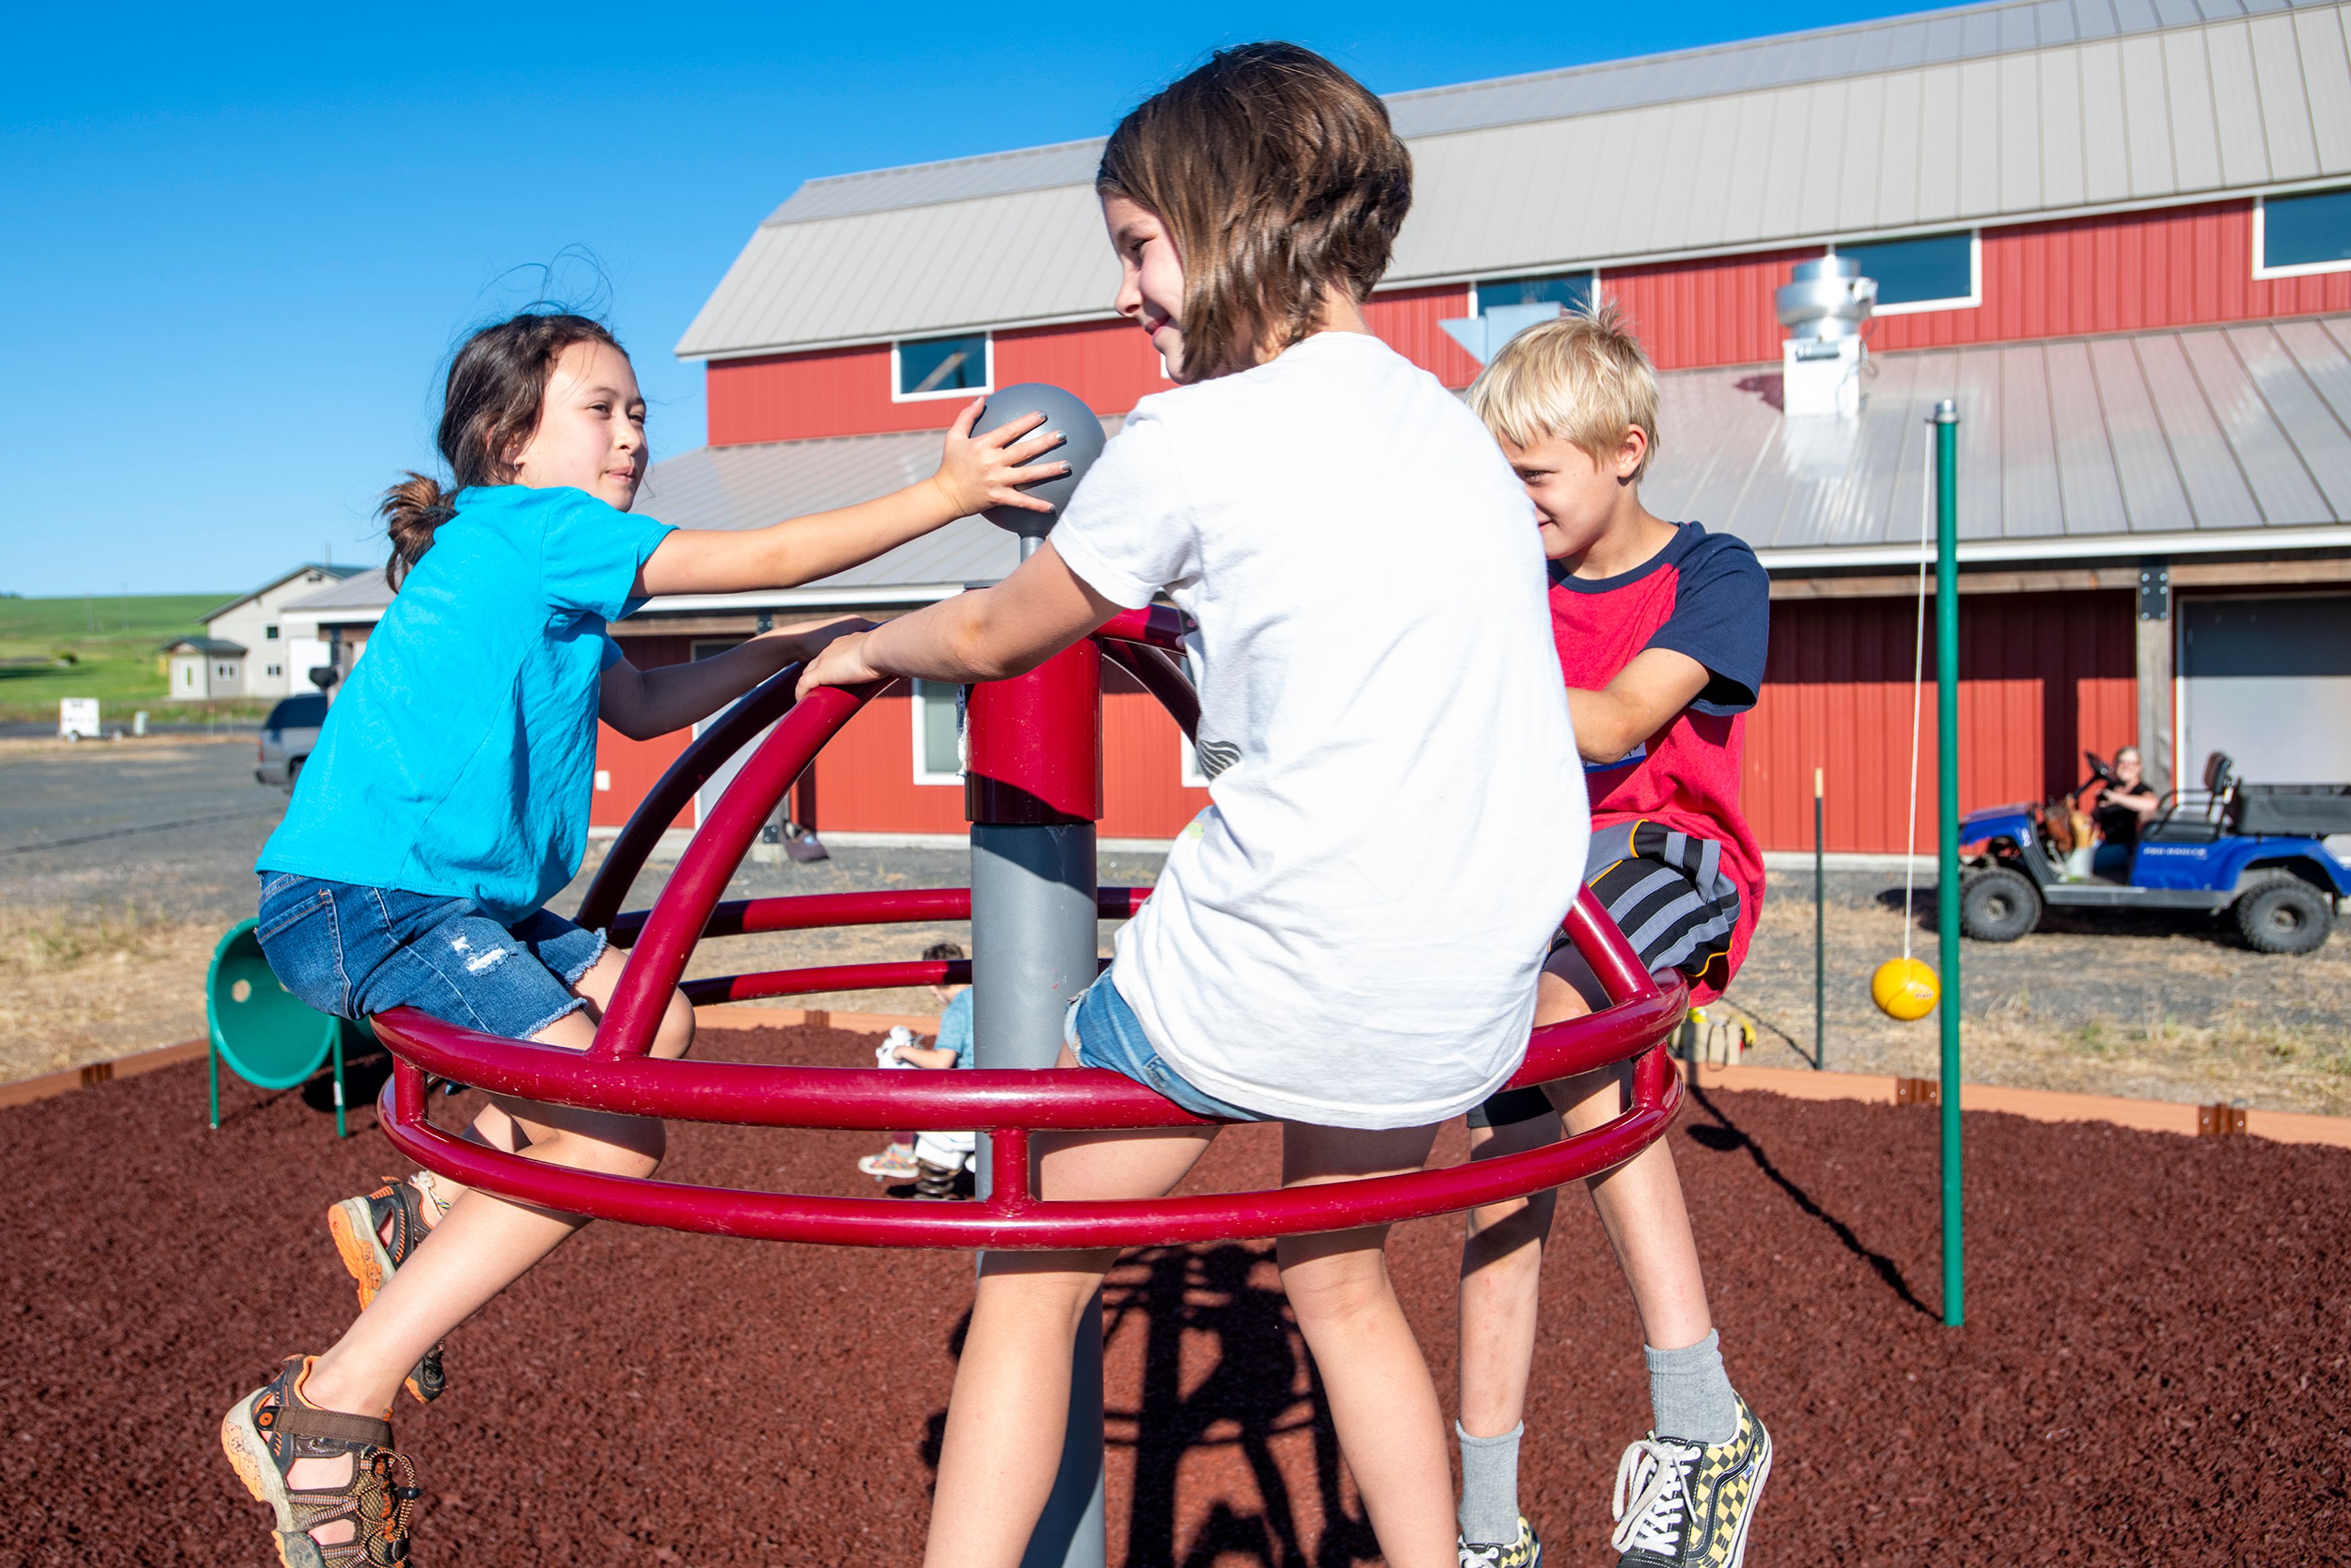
(446, 802)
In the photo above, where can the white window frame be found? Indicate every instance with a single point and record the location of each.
(2261, 241)
(1972, 301)
(1591, 272)
(915, 702)
(988, 370)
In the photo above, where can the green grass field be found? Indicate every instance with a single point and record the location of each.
(114, 644)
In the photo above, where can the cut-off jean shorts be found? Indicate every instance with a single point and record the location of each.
(1102, 1030)
(351, 951)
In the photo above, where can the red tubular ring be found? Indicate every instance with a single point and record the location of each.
(1011, 1218)
(616, 1074)
(1157, 625)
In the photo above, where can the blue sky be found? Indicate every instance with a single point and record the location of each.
(241, 242)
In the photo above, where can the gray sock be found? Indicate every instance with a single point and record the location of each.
(1689, 1394)
(1489, 1487)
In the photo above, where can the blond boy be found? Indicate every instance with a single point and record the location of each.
(1661, 633)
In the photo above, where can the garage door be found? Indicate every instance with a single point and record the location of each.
(2268, 681)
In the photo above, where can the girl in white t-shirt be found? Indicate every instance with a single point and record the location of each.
(1375, 650)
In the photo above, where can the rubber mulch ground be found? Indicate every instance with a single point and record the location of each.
(2153, 1369)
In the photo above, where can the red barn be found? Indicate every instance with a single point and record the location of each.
(2118, 234)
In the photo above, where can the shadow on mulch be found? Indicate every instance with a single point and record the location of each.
(2154, 1368)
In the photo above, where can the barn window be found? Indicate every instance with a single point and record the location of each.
(1930, 272)
(2296, 235)
(940, 367)
(938, 733)
(1571, 290)
(269, 634)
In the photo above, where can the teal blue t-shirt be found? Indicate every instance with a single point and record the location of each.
(460, 754)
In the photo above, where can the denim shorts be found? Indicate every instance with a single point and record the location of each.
(1102, 1031)
(351, 951)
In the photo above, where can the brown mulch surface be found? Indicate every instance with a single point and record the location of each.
(2154, 1368)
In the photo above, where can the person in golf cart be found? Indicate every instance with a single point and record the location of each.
(2120, 806)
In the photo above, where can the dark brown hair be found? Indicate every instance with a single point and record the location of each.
(497, 384)
(938, 950)
(1278, 178)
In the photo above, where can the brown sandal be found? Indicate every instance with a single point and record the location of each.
(267, 1430)
(358, 1226)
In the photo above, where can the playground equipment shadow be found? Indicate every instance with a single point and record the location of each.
(2155, 1370)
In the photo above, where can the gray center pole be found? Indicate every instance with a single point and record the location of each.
(1034, 950)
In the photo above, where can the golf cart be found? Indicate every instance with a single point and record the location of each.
(2252, 849)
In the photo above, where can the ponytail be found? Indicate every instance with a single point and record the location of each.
(497, 384)
(412, 509)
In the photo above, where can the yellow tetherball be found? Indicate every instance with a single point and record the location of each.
(1904, 988)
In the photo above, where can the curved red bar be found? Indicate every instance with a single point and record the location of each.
(1163, 678)
(809, 911)
(694, 767)
(759, 1094)
(1011, 1218)
(894, 975)
(685, 902)
(1157, 625)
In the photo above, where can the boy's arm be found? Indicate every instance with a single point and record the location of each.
(975, 472)
(931, 1056)
(989, 634)
(1642, 700)
(642, 703)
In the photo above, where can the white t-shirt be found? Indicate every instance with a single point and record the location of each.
(1350, 933)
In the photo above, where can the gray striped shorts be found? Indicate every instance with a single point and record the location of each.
(1667, 892)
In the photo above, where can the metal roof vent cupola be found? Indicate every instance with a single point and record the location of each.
(1823, 306)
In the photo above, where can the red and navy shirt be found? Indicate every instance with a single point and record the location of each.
(1704, 595)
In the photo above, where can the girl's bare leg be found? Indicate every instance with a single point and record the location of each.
(1382, 1401)
(483, 1243)
(1006, 1415)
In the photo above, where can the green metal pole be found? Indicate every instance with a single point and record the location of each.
(1820, 930)
(1947, 872)
(212, 1069)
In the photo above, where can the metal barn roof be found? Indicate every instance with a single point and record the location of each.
(1998, 112)
(2163, 443)
(364, 590)
(2147, 443)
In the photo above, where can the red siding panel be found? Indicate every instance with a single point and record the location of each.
(2042, 677)
(2178, 267)
(635, 767)
(1110, 364)
(1713, 312)
(865, 777)
(1407, 318)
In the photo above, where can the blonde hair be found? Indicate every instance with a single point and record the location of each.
(1280, 179)
(1584, 379)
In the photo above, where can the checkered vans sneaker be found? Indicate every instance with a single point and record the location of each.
(1682, 1505)
(1526, 1551)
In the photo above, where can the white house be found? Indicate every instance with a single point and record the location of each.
(266, 665)
(204, 668)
